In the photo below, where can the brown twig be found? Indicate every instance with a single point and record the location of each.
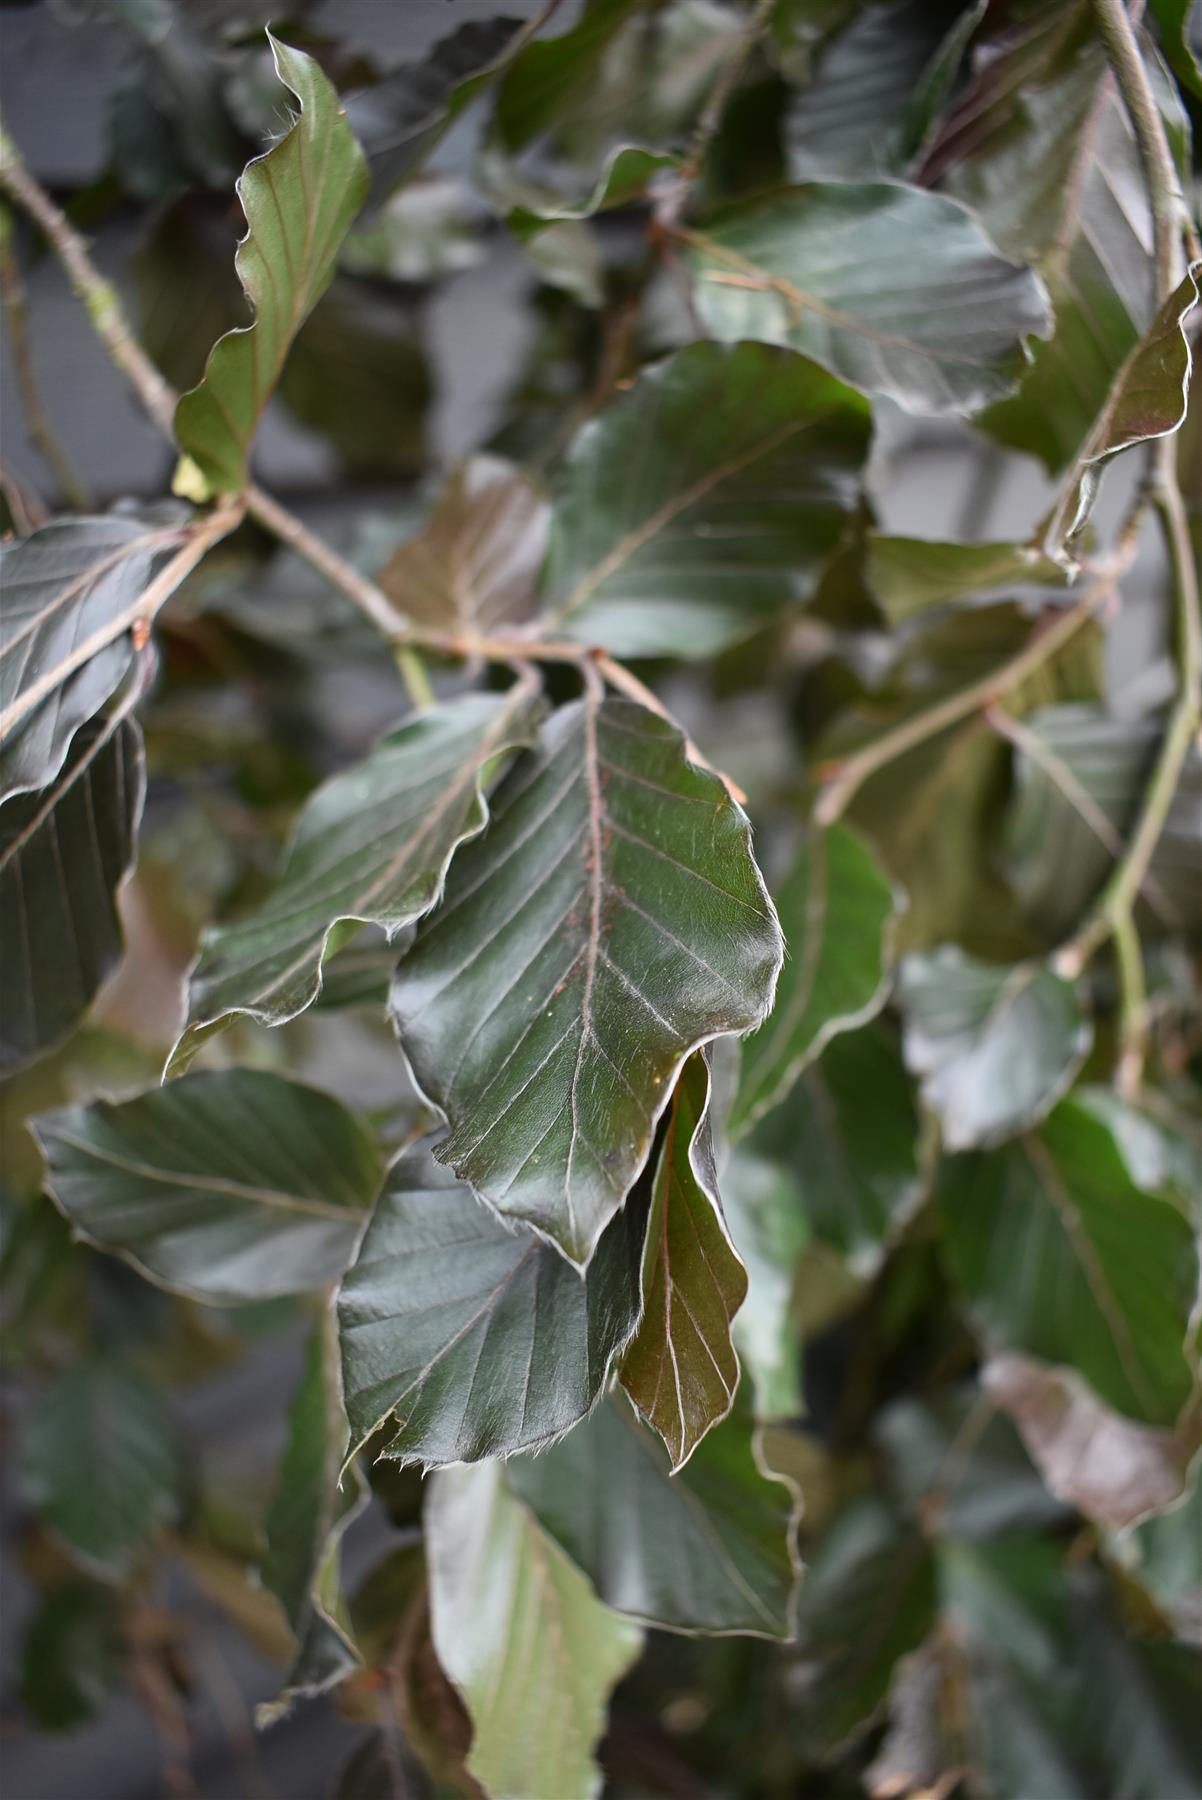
(37, 421)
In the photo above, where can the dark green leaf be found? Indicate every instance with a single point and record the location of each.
(99, 1463)
(309, 1513)
(910, 575)
(610, 921)
(681, 1371)
(474, 568)
(708, 1549)
(468, 1337)
(994, 1047)
(942, 333)
(71, 594)
(837, 910)
(373, 845)
(1180, 26)
(64, 852)
(750, 452)
(1063, 1257)
(770, 1231)
(299, 199)
(227, 1186)
(71, 1656)
(519, 1631)
(956, 1462)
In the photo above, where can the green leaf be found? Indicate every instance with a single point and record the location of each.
(1164, 1554)
(1063, 1257)
(770, 1231)
(64, 853)
(522, 1636)
(874, 89)
(227, 1186)
(373, 844)
(308, 1516)
(99, 1463)
(1080, 775)
(994, 1047)
(299, 200)
(474, 568)
(868, 1599)
(708, 1549)
(71, 1656)
(610, 921)
(472, 1339)
(854, 1187)
(1147, 399)
(750, 451)
(1180, 25)
(837, 909)
(71, 594)
(911, 575)
(944, 333)
(681, 1370)
(1114, 1470)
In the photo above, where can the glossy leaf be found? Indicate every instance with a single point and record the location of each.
(854, 1187)
(64, 852)
(99, 1462)
(910, 575)
(1062, 1257)
(944, 333)
(519, 1631)
(306, 1520)
(837, 908)
(299, 199)
(74, 583)
(474, 569)
(708, 1549)
(681, 1370)
(372, 845)
(471, 1339)
(994, 1047)
(1147, 399)
(1112, 1469)
(1080, 775)
(610, 921)
(226, 1186)
(749, 451)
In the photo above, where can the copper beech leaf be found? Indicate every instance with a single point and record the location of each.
(710, 1548)
(64, 852)
(299, 199)
(517, 1627)
(609, 922)
(704, 501)
(372, 844)
(838, 909)
(474, 568)
(229, 1185)
(681, 1370)
(468, 1338)
(944, 333)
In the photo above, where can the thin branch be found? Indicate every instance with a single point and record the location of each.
(714, 110)
(1160, 172)
(37, 421)
(848, 777)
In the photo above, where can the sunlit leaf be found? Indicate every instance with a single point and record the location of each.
(837, 910)
(704, 501)
(1061, 1256)
(373, 845)
(519, 1631)
(99, 1462)
(228, 1186)
(995, 1047)
(609, 922)
(681, 1371)
(468, 1338)
(64, 852)
(299, 198)
(945, 333)
(707, 1549)
(474, 568)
